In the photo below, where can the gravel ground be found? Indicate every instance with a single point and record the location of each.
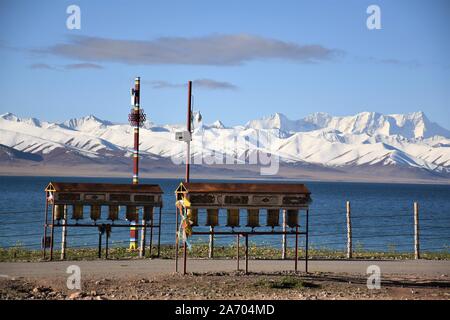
(229, 285)
(149, 267)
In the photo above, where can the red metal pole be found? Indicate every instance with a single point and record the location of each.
(188, 158)
(188, 126)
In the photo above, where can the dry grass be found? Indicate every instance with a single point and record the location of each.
(21, 254)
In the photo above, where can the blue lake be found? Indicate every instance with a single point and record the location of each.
(382, 215)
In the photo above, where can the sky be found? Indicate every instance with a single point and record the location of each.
(247, 59)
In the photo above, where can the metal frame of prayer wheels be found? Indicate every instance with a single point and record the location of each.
(272, 197)
(77, 196)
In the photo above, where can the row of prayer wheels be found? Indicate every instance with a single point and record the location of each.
(233, 217)
(132, 213)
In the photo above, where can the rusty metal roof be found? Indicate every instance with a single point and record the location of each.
(282, 188)
(103, 187)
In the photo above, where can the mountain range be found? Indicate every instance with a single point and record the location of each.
(365, 146)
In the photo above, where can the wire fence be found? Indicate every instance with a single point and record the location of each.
(372, 231)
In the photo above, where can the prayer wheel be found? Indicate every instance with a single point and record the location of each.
(212, 217)
(292, 218)
(148, 213)
(273, 217)
(77, 212)
(192, 215)
(59, 212)
(131, 213)
(232, 218)
(253, 218)
(113, 213)
(96, 212)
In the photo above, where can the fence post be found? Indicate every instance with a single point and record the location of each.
(211, 243)
(284, 240)
(416, 231)
(64, 235)
(349, 232)
(143, 237)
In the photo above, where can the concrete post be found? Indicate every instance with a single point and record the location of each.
(349, 231)
(416, 231)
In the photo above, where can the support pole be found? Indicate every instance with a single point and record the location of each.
(246, 253)
(159, 232)
(52, 236)
(64, 235)
(176, 239)
(296, 248)
(143, 240)
(211, 243)
(349, 232)
(188, 159)
(237, 250)
(284, 240)
(306, 240)
(188, 128)
(151, 236)
(100, 242)
(107, 243)
(184, 257)
(44, 244)
(416, 231)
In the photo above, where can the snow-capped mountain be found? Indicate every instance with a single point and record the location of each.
(364, 140)
(413, 125)
(88, 123)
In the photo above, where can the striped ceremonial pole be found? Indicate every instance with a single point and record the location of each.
(136, 118)
(133, 235)
(136, 112)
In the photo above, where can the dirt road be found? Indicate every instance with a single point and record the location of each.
(120, 268)
(217, 279)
